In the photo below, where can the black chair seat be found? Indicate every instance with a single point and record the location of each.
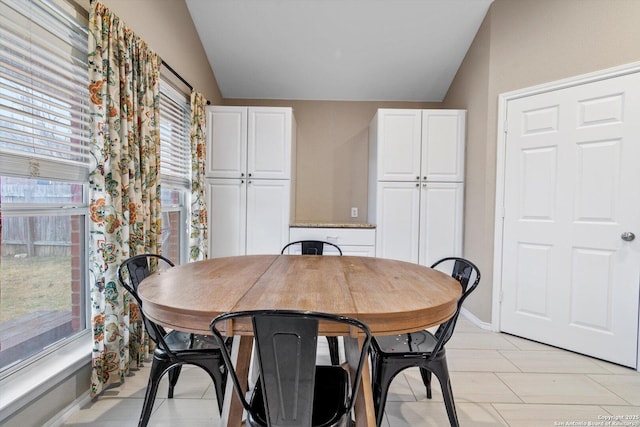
(330, 398)
(418, 344)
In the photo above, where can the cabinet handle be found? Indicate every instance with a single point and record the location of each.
(417, 184)
(249, 175)
(242, 181)
(425, 178)
(242, 175)
(418, 178)
(424, 184)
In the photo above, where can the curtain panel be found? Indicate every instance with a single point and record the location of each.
(198, 244)
(124, 187)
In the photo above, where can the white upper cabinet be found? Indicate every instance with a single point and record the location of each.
(418, 145)
(443, 133)
(249, 142)
(227, 142)
(269, 143)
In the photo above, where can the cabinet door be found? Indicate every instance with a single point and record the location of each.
(440, 221)
(399, 140)
(267, 215)
(398, 220)
(443, 139)
(226, 200)
(226, 142)
(269, 143)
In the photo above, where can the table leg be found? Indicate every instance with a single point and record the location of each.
(241, 356)
(365, 412)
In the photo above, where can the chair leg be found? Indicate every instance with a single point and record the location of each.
(157, 369)
(426, 379)
(334, 352)
(383, 374)
(441, 371)
(218, 374)
(174, 373)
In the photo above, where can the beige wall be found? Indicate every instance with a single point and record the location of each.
(332, 155)
(167, 28)
(520, 44)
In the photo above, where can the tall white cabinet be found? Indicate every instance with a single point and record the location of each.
(250, 158)
(416, 183)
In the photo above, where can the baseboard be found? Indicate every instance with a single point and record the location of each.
(473, 319)
(62, 416)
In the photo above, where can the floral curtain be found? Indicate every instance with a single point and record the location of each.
(124, 187)
(198, 246)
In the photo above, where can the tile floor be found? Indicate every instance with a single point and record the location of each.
(497, 380)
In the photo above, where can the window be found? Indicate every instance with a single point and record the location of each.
(44, 164)
(175, 168)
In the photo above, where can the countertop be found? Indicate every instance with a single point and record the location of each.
(331, 225)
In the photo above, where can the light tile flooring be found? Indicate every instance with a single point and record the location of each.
(497, 380)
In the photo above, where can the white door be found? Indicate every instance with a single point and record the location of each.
(267, 215)
(399, 144)
(269, 143)
(226, 201)
(227, 142)
(443, 135)
(572, 176)
(398, 220)
(440, 221)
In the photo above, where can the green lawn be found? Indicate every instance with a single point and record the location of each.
(34, 283)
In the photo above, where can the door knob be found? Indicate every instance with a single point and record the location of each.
(627, 236)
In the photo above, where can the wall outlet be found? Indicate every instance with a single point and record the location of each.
(354, 212)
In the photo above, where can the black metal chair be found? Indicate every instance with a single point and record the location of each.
(311, 247)
(316, 247)
(291, 389)
(173, 348)
(392, 354)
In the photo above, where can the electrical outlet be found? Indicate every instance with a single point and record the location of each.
(354, 212)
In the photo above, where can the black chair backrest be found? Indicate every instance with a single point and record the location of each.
(130, 273)
(311, 247)
(286, 345)
(463, 271)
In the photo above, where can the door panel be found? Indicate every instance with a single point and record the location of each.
(440, 221)
(226, 201)
(571, 190)
(269, 143)
(398, 221)
(399, 145)
(443, 134)
(267, 216)
(227, 142)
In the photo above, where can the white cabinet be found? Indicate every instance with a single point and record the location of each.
(416, 189)
(352, 241)
(250, 153)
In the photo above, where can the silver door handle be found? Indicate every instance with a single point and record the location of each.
(627, 236)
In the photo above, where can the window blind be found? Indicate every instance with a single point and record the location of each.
(44, 110)
(175, 146)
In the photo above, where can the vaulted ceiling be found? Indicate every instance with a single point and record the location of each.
(359, 50)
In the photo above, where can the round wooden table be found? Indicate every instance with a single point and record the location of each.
(389, 296)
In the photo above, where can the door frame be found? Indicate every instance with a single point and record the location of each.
(503, 101)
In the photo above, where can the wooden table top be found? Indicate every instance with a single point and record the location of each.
(389, 296)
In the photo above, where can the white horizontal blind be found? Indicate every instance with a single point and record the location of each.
(44, 97)
(175, 146)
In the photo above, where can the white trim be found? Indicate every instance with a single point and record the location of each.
(473, 319)
(503, 100)
(26, 385)
(62, 416)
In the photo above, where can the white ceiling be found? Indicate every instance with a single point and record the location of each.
(358, 50)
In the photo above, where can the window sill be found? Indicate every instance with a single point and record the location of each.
(27, 384)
